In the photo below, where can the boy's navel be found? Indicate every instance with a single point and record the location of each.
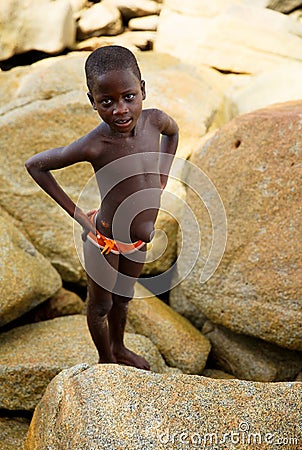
(104, 224)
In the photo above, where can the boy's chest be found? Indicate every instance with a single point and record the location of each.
(135, 152)
(126, 158)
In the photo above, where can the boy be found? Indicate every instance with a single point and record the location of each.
(129, 153)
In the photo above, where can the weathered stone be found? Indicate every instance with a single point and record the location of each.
(181, 344)
(254, 162)
(107, 406)
(134, 8)
(143, 23)
(239, 37)
(27, 278)
(101, 18)
(33, 354)
(13, 431)
(181, 304)
(63, 303)
(273, 86)
(249, 358)
(42, 25)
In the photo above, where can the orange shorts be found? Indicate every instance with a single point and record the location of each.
(110, 245)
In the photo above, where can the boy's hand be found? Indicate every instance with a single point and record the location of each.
(86, 230)
(84, 235)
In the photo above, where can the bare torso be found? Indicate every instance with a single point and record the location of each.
(127, 172)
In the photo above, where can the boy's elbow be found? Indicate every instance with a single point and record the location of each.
(29, 165)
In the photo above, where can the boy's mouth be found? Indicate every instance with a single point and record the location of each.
(123, 122)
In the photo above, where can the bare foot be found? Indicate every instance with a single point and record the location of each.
(129, 358)
(107, 361)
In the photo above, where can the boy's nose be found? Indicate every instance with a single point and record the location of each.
(120, 108)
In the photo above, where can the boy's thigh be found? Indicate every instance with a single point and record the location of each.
(101, 268)
(129, 269)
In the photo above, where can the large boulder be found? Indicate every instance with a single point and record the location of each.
(281, 84)
(42, 25)
(249, 358)
(48, 108)
(13, 431)
(181, 344)
(255, 163)
(101, 18)
(231, 35)
(27, 278)
(109, 406)
(33, 354)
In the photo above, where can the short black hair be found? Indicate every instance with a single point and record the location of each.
(110, 57)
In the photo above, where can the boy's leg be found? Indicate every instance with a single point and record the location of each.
(123, 293)
(101, 277)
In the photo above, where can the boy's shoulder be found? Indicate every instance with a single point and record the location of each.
(155, 116)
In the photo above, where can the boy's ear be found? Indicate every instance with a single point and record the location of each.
(91, 99)
(143, 89)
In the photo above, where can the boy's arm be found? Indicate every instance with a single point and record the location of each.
(168, 146)
(39, 167)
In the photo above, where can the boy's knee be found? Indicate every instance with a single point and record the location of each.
(99, 307)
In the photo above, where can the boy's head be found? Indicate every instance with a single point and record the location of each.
(105, 59)
(116, 90)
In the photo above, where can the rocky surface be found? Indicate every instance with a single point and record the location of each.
(278, 85)
(181, 344)
(26, 27)
(33, 354)
(263, 38)
(250, 358)
(101, 18)
(62, 303)
(13, 431)
(27, 277)
(255, 163)
(117, 407)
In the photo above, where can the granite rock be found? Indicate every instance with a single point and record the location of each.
(281, 84)
(255, 163)
(107, 406)
(33, 354)
(27, 26)
(181, 344)
(27, 278)
(100, 18)
(250, 358)
(62, 303)
(232, 36)
(13, 431)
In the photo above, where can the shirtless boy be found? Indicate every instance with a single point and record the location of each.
(131, 144)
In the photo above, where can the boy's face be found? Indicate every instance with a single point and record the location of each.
(117, 96)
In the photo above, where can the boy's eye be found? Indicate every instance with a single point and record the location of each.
(106, 102)
(129, 97)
